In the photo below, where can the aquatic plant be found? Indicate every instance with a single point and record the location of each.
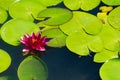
(79, 25)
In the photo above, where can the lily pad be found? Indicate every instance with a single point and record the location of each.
(109, 37)
(82, 20)
(3, 15)
(111, 2)
(110, 70)
(83, 4)
(56, 16)
(5, 60)
(7, 3)
(95, 43)
(77, 43)
(57, 37)
(26, 9)
(72, 25)
(114, 18)
(105, 55)
(32, 68)
(50, 2)
(13, 30)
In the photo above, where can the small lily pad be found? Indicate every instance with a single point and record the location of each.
(110, 70)
(57, 37)
(114, 18)
(3, 15)
(26, 9)
(111, 2)
(56, 16)
(105, 55)
(13, 30)
(32, 68)
(83, 4)
(5, 60)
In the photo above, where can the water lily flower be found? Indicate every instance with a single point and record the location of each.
(34, 42)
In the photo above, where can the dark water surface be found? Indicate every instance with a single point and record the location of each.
(62, 64)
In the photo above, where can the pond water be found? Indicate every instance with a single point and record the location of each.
(62, 64)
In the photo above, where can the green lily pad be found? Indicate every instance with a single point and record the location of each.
(105, 55)
(7, 3)
(111, 2)
(32, 68)
(77, 43)
(3, 15)
(110, 70)
(57, 37)
(81, 43)
(109, 37)
(7, 78)
(114, 18)
(82, 20)
(13, 30)
(26, 9)
(95, 43)
(50, 2)
(83, 4)
(72, 25)
(5, 60)
(56, 16)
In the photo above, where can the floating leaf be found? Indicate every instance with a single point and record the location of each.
(111, 2)
(50, 2)
(58, 38)
(90, 23)
(114, 18)
(56, 16)
(81, 43)
(5, 60)
(7, 78)
(83, 4)
(13, 30)
(110, 38)
(3, 15)
(26, 9)
(7, 3)
(77, 43)
(110, 70)
(95, 43)
(72, 25)
(72, 4)
(32, 68)
(105, 55)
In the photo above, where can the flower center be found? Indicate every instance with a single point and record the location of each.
(34, 40)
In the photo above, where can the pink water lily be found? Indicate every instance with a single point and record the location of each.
(34, 42)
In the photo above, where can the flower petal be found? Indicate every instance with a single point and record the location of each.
(26, 50)
(34, 42)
